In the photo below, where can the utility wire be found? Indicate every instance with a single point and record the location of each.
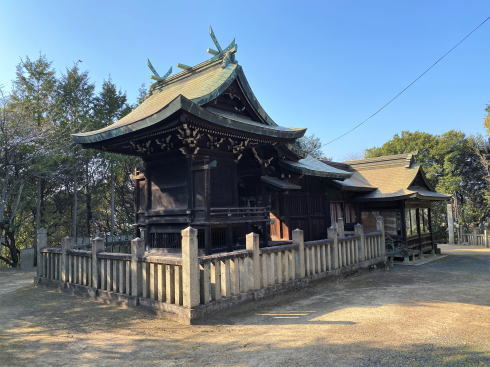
(409, 85)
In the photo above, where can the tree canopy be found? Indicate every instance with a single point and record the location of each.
(454, 165)
(48, 181)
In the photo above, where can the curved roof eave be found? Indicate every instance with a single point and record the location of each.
(313, 167)
(120, 128)
(184, 104)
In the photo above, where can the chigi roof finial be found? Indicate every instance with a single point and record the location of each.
(228, 54)
(157, 76)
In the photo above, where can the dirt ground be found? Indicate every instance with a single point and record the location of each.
(436, 314)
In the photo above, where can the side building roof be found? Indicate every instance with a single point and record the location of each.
(392, 177)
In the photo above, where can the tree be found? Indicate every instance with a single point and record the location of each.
(20, 147)
(111, 105)
(74, 112)
(452, 164)
(33, 96)
(47, 180)
(311, 145)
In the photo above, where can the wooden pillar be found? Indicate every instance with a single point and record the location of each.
(207, 239)
(403, 223)
(380, 226)
(148, 175)
(229, 237)
(429, 220)
(190, 268)
(419, 235)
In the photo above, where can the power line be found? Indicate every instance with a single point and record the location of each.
(409, 85)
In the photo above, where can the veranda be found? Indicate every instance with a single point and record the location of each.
(188, 287)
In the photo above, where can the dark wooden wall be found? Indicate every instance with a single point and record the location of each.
(306, 209)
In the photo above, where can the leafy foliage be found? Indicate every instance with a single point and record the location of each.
(452, 163)
(48, 181)
(311, 145)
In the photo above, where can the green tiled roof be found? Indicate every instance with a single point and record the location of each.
(313, 167)
(199, 85)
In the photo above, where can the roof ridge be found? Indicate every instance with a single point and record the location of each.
(196, 69)
(406, 158)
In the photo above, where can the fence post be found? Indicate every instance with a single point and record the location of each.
(380, 226)
(66, 245)
(137, 251)
(252, 244)
(299, 239)
(190, 268)
(340, 227)
(362, 241)
(485, 237)
(450, 223)
(332, 234)
(97, 246)
(42, 242)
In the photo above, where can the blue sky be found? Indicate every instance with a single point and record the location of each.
(323, 65)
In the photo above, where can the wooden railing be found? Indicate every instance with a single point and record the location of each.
(143, 276)
(226, 275)
(188, 285)
(239, 212)
(476, 239)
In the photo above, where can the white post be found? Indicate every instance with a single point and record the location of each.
(333, 235)
(42, 242)
(361, 243)
(137, 251)
(298, 239)
(450, 223)
(190, 268)
(97, 246)
(252, 244)
(340, 227)
(486, 240)
(66, 245)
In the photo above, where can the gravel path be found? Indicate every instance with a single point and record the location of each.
(436, 314)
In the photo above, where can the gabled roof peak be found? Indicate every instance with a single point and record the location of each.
(223, 56)
(404, 159)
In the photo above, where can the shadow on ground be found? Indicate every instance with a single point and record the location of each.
(434, 315)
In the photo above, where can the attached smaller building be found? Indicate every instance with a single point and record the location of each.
(396, 188)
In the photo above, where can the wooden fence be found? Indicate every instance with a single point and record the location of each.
(189, 286)
(476, 239)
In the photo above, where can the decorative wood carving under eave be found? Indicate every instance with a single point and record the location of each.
(189, 138)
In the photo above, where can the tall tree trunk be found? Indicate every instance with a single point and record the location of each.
(9, 243)
(88, 201)
(75, 208)
(113, 201)
(38, 217)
